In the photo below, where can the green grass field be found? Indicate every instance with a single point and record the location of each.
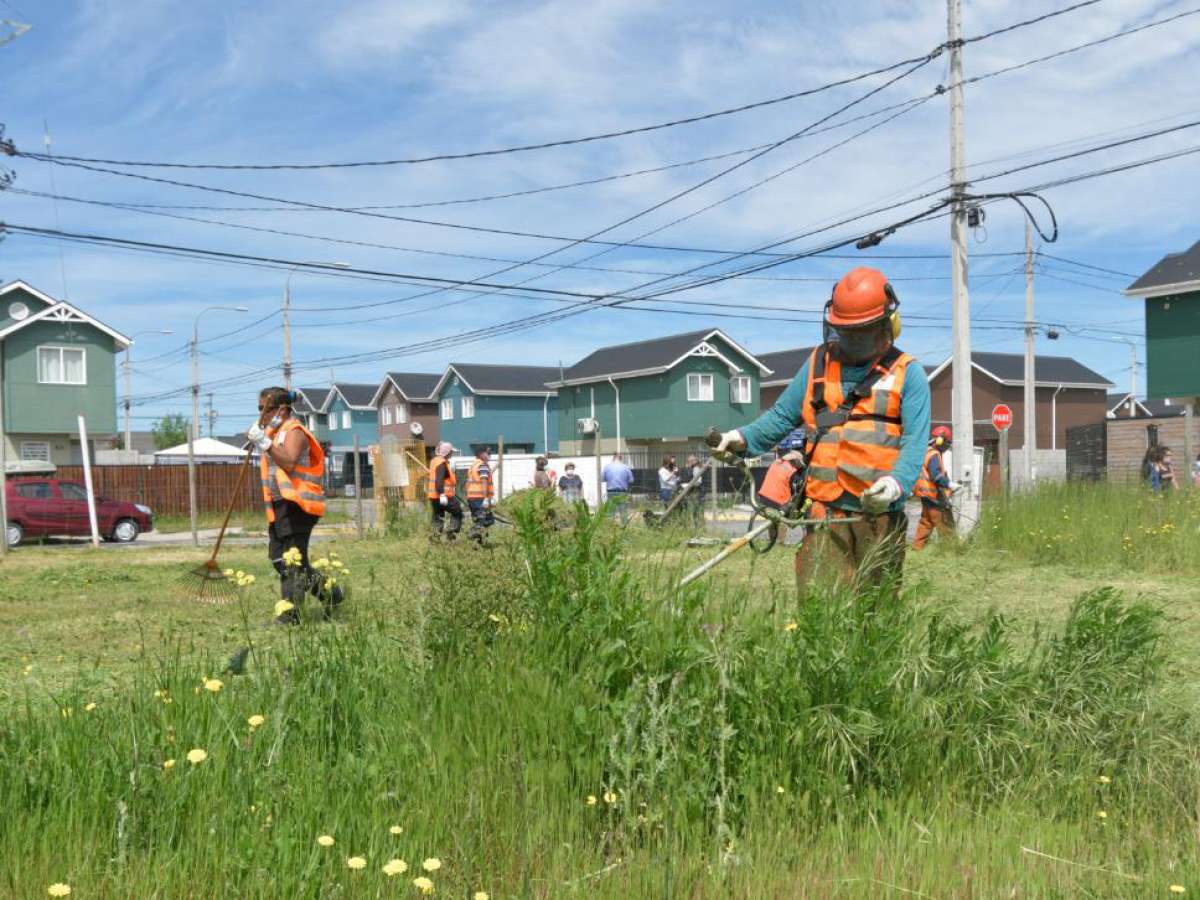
(552, 717)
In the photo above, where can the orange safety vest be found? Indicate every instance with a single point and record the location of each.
(479, 481)
(925, 487)
(851, 454)
(305, 486)
(451, 481)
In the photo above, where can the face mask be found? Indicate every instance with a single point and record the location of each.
(858, 345)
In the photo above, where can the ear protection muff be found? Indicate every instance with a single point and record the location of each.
(891, 310)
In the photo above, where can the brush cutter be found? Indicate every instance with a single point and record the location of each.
(206, 582)
(655, 518)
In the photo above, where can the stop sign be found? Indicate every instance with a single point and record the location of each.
(1001, 417)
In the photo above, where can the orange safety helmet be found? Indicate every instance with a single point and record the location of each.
(941, 435)
(862, 296)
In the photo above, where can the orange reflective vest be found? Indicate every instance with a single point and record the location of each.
(925, 488)
(479, 481)
(305, 485)
(857, 445)
(448, 485)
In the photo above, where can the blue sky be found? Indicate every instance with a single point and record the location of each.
(308, 82)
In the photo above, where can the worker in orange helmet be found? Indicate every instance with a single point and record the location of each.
(933, 488)
(864, 405)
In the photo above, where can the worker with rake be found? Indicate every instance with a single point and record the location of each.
(292, 470)
(865, 408)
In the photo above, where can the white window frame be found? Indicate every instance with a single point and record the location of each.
(62, 368)
(401, 413)
(447, 408)
(385, 415)
(347, 421)
(739, 389)
(35, 450)
(468, 407)
(333, 420)
(697, 382)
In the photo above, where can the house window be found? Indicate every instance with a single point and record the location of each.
(333, 420)
(401, 413)
(346, 418)
(39, 450)
(385, 415)
(700, 387)
(739, 389)
(447, 409)
(61, 365)
(468, 407)
(1151, 435)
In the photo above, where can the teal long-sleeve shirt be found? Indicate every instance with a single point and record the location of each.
(773, 425)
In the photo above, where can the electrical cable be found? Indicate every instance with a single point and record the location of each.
(1084, 265)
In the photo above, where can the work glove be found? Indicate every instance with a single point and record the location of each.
(259, 438)
(444, 500)
(878, 497)
(731, 442)
(487, 502)
(955, 487)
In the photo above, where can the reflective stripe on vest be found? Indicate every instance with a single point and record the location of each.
(305, 485)
(851, 456)
(479, 481)
(449, 484)
(925, 488)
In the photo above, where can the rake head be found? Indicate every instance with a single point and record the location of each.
(208, 584)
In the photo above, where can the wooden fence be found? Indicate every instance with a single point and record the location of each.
(165, 488)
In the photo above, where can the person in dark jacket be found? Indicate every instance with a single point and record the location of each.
(441, 489)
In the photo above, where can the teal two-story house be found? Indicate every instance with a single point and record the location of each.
(479, 404)
(347, 412)
(58, 362)
(658, 396)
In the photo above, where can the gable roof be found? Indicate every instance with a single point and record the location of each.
(1143, 409)
(650, 357)
(1175, 273)
(309, 399)
(1048, 371)
(505, 381)
(784, 364)
(356, 396)
(415, 387)
(58, 311)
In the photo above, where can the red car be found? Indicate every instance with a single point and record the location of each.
(40, 507)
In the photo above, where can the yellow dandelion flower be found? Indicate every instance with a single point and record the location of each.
(28, 669)
(196, 756)
(779, 789)
(481, 895)
(1103, 779)
(239, 574)
(168, 764)
(394, 867)
(256, 720)
(356, 862)
(591, 799)
(790, 626)
(1101, 814)
(330, 582)
(213, 685)
(337, 564)
(58, 889)
(1177, 889)
(228, 573)
(432, 864)
(248, 580)
(89, 707)
(325, 840)
(284, 606)
(423, 884)
(345, 572)
(610, 797)
(395, 829)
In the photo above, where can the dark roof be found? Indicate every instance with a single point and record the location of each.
(356, 394)
(309, 399)
(1010, 368)
(1145, 409)
(655, 354)
(1172, 269)
(504, 379)
(415, 385)
(784, 364)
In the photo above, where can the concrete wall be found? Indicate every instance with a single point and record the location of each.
(1129, 438)
(1048, 465)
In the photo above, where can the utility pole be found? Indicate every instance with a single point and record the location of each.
(287, 331)
(962, 412)
(1030, 397)
(211, 415)
(195, 429)
(1132, 379)
(125, 377)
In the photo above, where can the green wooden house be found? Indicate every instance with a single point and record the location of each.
(1170, 290)
(479, 403)
(57, 362)
(658, 396)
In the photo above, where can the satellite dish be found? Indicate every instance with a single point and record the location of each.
(416, 428)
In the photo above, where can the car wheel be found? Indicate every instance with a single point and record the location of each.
(125, 530)
(13, 534)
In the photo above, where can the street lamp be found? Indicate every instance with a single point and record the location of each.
(287, 307)
(126, 366)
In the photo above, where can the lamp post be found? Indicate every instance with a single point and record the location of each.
(126, 366)
(287, 309)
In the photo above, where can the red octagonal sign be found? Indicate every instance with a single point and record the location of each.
(1002, 417)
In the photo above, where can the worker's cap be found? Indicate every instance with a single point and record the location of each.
(446, 447)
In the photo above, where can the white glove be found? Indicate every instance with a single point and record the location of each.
(731, 442)
(259, 438)
(444, 500)
(955, 487)
(487, 502)
(878, 497)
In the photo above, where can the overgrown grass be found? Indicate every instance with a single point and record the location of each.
(551, 717)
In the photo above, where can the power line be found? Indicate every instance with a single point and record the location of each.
(1084, 265)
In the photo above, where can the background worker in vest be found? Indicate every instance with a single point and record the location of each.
(292, 470)
(865, 408)
(481, 494)
(441, 491)
(934, 488)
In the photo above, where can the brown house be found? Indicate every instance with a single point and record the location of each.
(1067, 392)
(784, 364)
(407, 408)
(1153, 423)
